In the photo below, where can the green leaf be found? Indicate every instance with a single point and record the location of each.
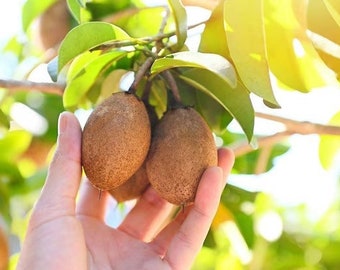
(325, 34)
(235, 100)
(214, 114)
(100, 9)
(10, 171)
(14, 144)
(137, 22)
(333, 7)
(248, 163)
(4, 122)
(214, 27)
(180, 17)
(158, 96)
(82, 3)
(322, 23)
(83, 74)
(14, 45)
(32, 9)
(246, 42)
(329, 145)
(32, 183)
(291, 55)
(78, 10)
(80, 62)
(85, 37)
(213, 62)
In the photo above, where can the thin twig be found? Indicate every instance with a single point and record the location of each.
(292, 127)
(140, 41)
(244, 148)
(159, 44)
(303, 128)
(144, 68)
(48, 88)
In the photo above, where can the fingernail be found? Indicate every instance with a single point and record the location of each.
(62, 123)
(218, 170)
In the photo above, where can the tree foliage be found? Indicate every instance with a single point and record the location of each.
(246, 49)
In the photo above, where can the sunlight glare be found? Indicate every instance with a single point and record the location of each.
(28, 119)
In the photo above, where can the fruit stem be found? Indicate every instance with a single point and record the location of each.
(144, 68)
(173, 87)
(159, 43)
(147, 90)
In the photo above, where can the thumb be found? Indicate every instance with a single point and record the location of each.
(64, 173)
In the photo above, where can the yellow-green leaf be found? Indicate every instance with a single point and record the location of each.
(235, 100)
(213, 38)
(329, 145)
(81, 80)
(180, 17)
(32, 9)
(291, 55)
(213, 62)
(246, 42)
(85, 37)
(325, 34)
(334, 9)
(321, 22)
(78, 10)
(4, 122)
(14, 144)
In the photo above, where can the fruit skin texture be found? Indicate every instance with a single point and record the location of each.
(182, 148)
(133, 187)
(116, 140)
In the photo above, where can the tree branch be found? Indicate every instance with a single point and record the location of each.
(244, 148)
(292, 127)
(48, 88)
(303, 128)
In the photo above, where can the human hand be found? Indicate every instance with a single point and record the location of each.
(66, 232)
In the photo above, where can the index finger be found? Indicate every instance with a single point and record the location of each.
(188, 241)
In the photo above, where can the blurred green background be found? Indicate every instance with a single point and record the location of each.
(280, 208)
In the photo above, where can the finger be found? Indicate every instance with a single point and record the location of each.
(161, 242)
(144, 219)
(92, 202)
(225, 160)
(163, 239)
(189, 238)
(63, 179)
(187, 242)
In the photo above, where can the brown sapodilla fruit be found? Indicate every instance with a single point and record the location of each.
(116, 140)
(53, 25)
(133, 187)
(182, 148)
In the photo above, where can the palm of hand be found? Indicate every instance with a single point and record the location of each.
(64, 233)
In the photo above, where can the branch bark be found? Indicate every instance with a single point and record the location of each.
(48, 88)
(292, 127)
(303, 128)
(244, 147)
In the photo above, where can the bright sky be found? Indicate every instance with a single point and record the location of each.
(9, 18)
